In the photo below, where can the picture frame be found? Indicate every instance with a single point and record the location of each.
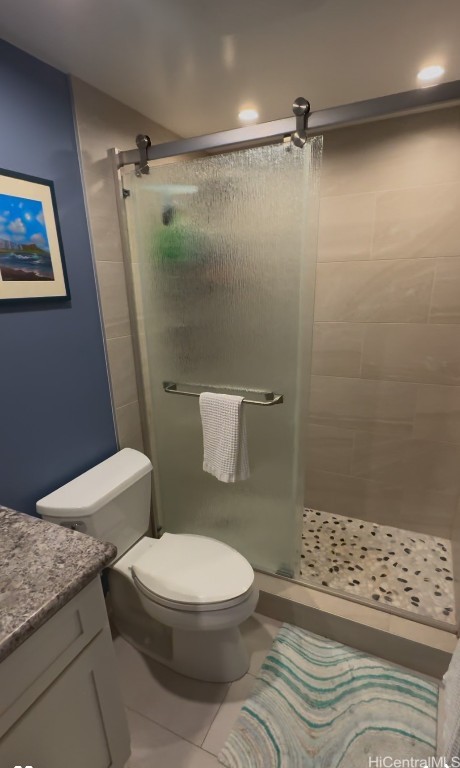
(32, 263)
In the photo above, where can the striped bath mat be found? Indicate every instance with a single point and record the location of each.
(317, 703)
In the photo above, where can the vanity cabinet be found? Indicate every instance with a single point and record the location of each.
(60, 703)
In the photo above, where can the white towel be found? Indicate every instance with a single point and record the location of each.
(224, 437)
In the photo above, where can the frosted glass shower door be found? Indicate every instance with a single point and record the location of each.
(223, 251)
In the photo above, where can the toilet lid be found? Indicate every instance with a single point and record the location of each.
(193, 569)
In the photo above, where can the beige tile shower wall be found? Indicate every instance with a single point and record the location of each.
(384, 416)
(102, 123)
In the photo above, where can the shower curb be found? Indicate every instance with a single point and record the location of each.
(411, 644)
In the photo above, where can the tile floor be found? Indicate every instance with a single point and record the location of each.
(402, 569)
(176, 722)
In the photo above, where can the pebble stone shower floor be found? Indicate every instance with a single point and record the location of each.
(402, 569)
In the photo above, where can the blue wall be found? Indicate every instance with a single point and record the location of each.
(55, 412)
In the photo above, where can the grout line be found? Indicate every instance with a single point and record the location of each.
(367, 192)
(222, 703)
(123, 336)
(165, 728)
(361, 359)
(376, 260)
(214, 718)
(213, 754)
(410, 382)
(411, 323)
(353, 451)
(384, 322)
(381, 483)
(109, 261)
(125, 405)
(430, 303)
(373, 228)
(388, 435)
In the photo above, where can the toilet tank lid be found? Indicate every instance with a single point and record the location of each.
(93, 489)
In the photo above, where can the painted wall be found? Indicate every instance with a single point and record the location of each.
(384, 441)
(55, 409)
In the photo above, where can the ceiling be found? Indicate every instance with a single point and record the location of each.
(192, 64)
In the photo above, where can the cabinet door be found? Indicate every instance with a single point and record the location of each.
(78, 722)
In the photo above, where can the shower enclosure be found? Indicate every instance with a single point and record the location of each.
(224, 253)
(228, 289)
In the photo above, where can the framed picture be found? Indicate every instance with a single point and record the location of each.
(32, 263)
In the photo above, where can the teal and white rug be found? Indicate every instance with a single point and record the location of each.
(320, 704)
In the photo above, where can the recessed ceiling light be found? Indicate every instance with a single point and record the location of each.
(428, 74)
(248, 115)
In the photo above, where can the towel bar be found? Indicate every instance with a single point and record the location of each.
(270, 398)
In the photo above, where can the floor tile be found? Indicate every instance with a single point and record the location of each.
(185, 706)
(228, 713)
(406, 570)
(152, 745)
(258, 633)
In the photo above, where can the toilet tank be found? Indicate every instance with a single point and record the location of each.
(110, 502)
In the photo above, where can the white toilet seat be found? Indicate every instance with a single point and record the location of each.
(192, 573)
(178, 605)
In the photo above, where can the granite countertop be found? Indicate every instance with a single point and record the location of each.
(42, 566)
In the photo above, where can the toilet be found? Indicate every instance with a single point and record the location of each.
(179, 599)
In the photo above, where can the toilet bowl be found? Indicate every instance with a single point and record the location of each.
(179, 599)
(198, 588)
